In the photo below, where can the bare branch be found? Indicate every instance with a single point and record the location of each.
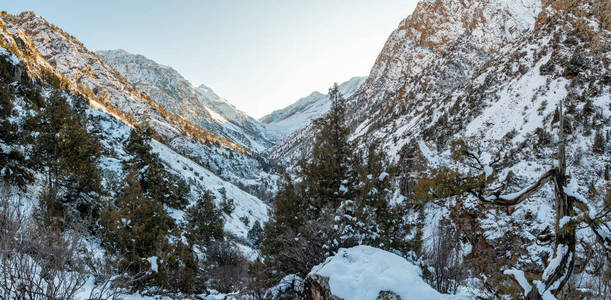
(515, 198)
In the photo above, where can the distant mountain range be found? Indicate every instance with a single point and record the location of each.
(299, 114)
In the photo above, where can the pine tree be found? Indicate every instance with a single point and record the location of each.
(255, 234)
(290, 205)
(177, 268)
(157, 183)
(368, 218)
(12, 162)
(135, 227)
(204, 222)
(599, 143)
(297, 238)
(69, 154)
(327, 176)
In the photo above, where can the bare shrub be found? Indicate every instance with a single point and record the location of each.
(443, 270)
(226, 268)
(37, 261)
(110, 280)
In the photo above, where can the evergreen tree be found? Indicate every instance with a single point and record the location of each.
(12, 162)
(368, 218)
(298, 236)
(68, 152)
(255, 235)
(177, 268)
(327, 176)
(204, 222)
(135, 227)
(156, 182)
(599, 143)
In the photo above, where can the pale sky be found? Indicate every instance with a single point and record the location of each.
(261, 55)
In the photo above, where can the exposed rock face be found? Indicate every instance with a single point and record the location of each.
(388, 295)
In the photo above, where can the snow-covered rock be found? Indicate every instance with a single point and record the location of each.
(367, 273)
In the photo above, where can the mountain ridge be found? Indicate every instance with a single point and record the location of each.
(200, 106)
(302, 112)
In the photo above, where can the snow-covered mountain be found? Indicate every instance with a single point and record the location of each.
(458, 34)
(200, 105)
(47, 50)
(204, 159)
(489, 71)
(301, 113)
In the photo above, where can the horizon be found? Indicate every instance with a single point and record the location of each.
(292, 49)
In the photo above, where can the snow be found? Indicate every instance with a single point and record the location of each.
(500, 117)
(245, 203)
(362, 272)
(554, 263)
(153, 261)
(428, 154)
(488, 170)
(383, 176)
(288, 282)
(520, 278)
(13, 59)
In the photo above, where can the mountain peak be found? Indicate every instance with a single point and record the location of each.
(299, 114)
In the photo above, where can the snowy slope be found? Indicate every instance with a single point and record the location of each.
(301, 113)
(457, 34)
(199, 105)
(42, 45)
(488, 71)
(112, 132)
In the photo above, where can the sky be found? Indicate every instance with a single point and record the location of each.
(260, 55)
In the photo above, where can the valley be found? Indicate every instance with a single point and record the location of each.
(472, 162)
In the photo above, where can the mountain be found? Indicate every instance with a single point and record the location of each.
(201, 106)
(58, 63)
(459, 34)
(46, 49)
(306, 109)
(490, 73)
(472, 102)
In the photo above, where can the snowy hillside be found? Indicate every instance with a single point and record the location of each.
(301, 113)
(43, 46)
(201, 105)
(490, 73)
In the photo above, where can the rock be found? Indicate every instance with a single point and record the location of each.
(388, 295)
(316, 287)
